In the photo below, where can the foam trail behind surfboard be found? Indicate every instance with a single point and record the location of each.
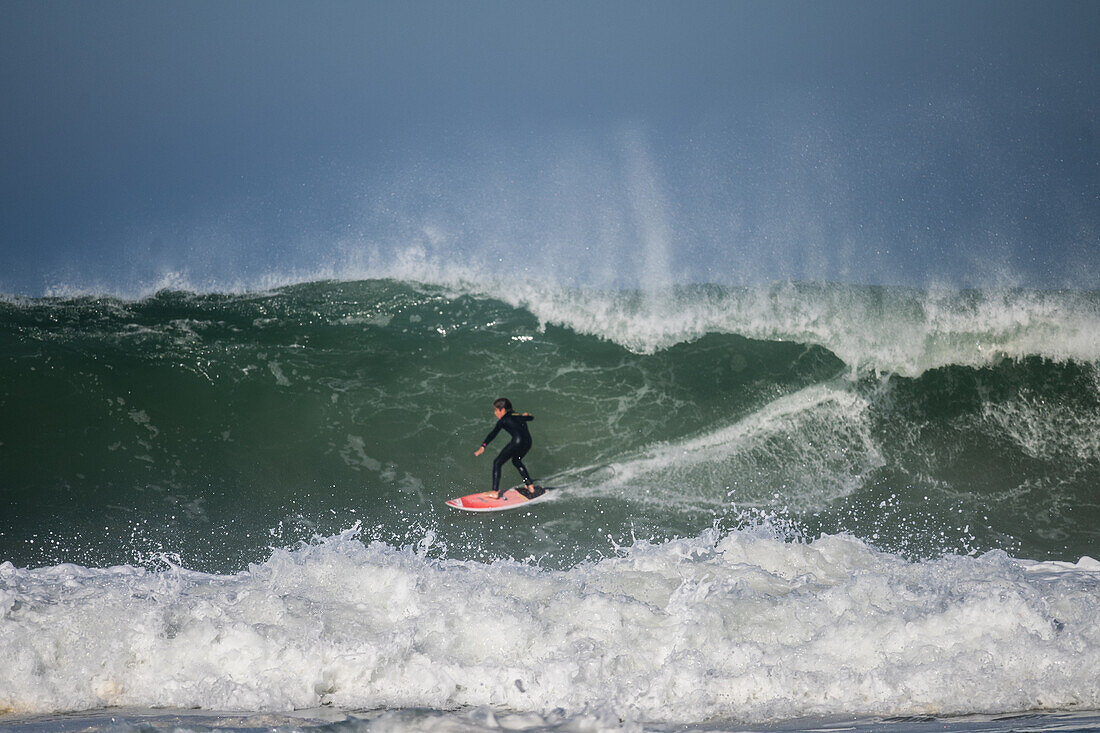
(825, 426)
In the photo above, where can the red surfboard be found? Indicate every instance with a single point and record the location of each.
(487, 501)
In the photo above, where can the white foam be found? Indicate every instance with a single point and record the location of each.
(900, 331)
(734, 626)
(1045, 429)
(823, 430)
(896, 330)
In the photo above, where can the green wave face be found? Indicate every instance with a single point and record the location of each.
(214, 427)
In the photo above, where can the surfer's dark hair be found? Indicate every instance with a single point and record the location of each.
(503, 404)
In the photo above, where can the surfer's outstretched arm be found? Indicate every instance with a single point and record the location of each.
(489, 438)
(525, 417)
(493, 433)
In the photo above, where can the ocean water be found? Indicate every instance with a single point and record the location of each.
(786, 507)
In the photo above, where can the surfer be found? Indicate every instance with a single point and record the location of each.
(516, 426)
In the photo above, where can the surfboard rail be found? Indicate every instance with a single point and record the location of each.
(487, 501)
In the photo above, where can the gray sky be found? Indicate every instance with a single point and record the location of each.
(725, 141)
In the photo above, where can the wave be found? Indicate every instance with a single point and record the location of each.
(799, 500)
(877, 329)
(881, 330)
(196, 424)
(729, 625)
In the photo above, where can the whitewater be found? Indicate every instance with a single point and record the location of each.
(735, 626)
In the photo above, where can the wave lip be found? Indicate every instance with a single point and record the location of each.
(900, 331)
(879, 329)
(733, 626)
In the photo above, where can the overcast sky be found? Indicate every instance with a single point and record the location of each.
(727, 141)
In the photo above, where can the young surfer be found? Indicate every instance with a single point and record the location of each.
(516, 426)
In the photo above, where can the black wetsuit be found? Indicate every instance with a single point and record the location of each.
(516, 426)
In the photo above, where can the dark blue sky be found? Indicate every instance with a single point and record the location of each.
(601, 142)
